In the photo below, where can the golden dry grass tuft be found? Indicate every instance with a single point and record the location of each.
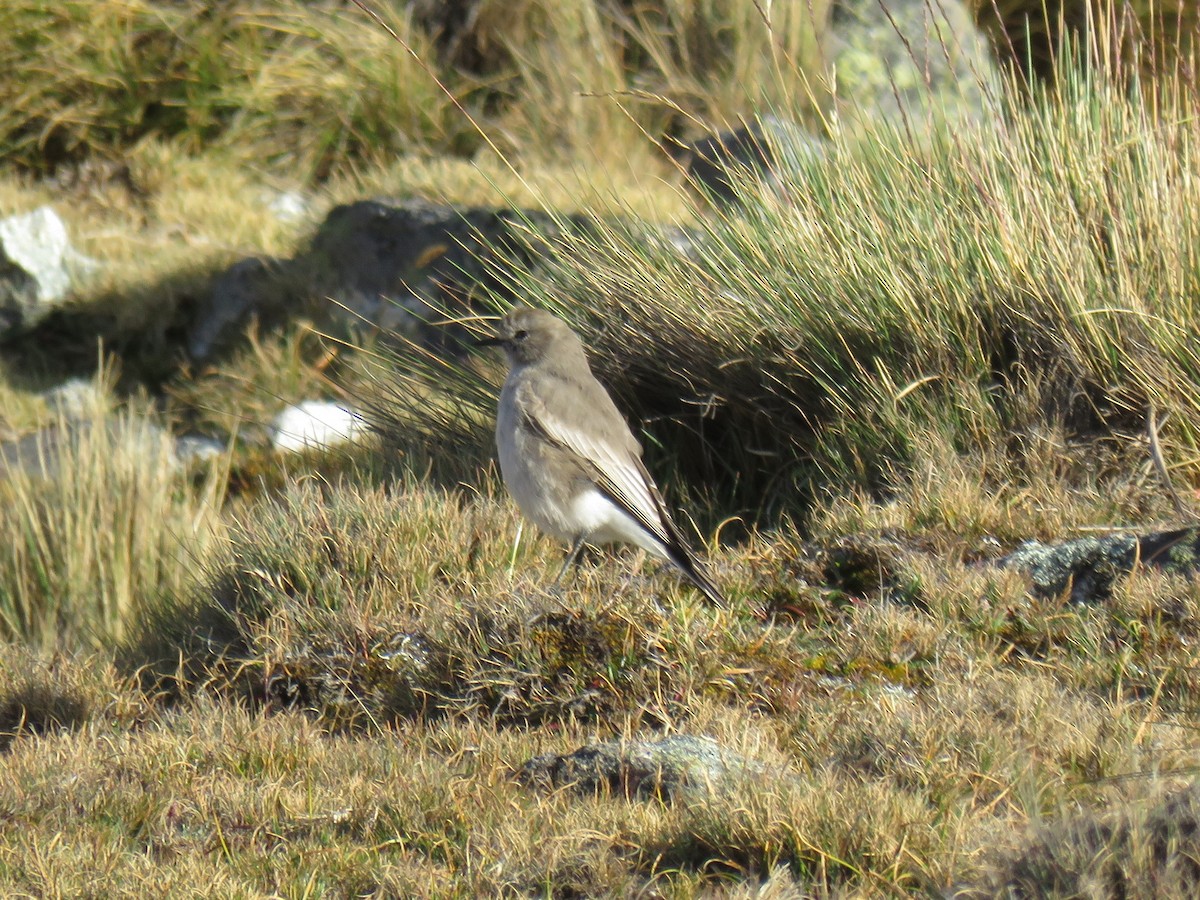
(102, 523)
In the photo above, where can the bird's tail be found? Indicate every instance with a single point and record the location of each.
(695, 573)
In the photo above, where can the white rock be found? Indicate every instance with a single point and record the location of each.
(38, 243)
(289, 206)
(315, 424)
(190, 448)
(75, 398)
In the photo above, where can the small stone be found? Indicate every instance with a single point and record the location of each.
(76, 398)
(673, 767)
(193, 448)
(289, 206)
(315, 425)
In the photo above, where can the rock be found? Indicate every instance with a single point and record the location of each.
(315, 425)
(1090, 566)
(718, 162)
(41, 454)
(680, 766)
(906, 60)
(76, 398)
(401, 267)
(196, 448)
(372, 264)
(289, 206)
(250, 287)
(34, 275)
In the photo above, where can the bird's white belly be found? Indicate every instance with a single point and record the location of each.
(568, 510)
(606, 523)
(538, 498)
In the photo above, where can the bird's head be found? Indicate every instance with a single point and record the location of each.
(530, 336)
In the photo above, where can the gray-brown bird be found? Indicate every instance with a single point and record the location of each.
(567, 455)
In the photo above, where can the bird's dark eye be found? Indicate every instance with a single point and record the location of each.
(520, 335)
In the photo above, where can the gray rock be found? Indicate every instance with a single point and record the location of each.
(908, 59)
(79, 404)
(1090, 566)
(41, 454)
(400, 267)
(680, 766)
(34, 275)
(250, 287)
(717, 163)
(76, 398)
(372, 264)
(196, 448)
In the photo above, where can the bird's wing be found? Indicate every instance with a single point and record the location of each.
(610, 456)
(607, 451)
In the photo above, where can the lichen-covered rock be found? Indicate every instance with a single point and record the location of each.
(905, 59)
(1090, 566)
(669, 768)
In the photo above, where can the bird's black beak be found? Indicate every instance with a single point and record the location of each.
(489, 342)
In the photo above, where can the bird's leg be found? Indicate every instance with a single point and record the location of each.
(572, 557)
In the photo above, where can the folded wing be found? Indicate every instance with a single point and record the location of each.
(611, 457)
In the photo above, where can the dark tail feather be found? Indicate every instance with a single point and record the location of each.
(664, 532)
(691, 568)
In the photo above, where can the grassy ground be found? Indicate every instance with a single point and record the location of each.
(318, 676)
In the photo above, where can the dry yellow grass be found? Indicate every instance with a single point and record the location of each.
(910, 735)
(323, 683)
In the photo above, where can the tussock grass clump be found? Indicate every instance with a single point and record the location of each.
(598, 78)
(308, 86)
(1029, 275)
(366, 606)
(1159, 35)
(42, 695)
(98, 523)
(1141, 847)
(320, 88)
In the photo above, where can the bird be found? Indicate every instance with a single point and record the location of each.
(567, 454)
